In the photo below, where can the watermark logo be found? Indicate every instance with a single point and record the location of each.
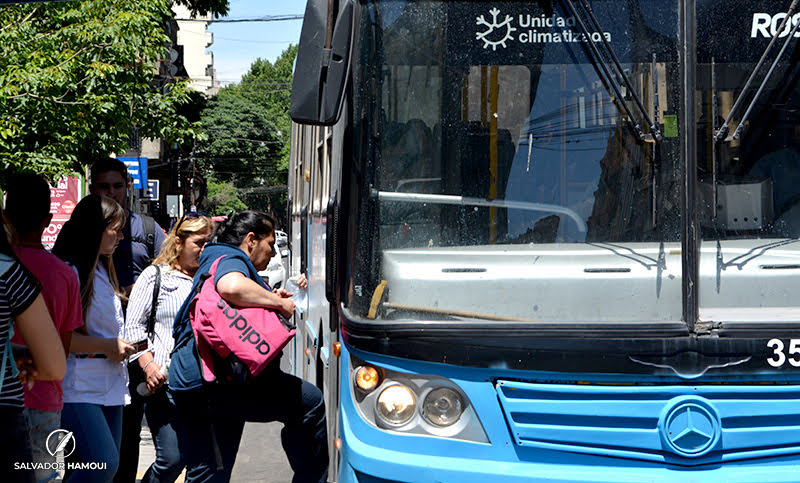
(497, 32)
(60, 440)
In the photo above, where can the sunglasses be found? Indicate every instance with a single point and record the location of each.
(188, 216)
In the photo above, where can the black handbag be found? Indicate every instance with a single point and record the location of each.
(136, 374)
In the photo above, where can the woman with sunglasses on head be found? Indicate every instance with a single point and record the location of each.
(214, 413)
(22, 307)
(96, 384)
(174, 267)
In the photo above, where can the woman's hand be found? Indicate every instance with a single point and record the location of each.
(283, 293)
(287, 307)
(26, 367)
(302, 281)
(119, 349)
(153, 377)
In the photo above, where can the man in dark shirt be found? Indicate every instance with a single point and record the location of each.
(109, 177)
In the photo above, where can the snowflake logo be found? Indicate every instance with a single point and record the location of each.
(492, 27)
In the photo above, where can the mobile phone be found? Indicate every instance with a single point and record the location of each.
(140, 346)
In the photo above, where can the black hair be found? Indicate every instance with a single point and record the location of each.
(233, 230)
(27, 202)
(5, 245)
(105, 165)
(78, 243)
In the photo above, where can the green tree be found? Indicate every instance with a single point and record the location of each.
(247, 129)
(76, 77)
(222, 198)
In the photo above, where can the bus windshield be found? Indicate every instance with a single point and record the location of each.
(511, 172)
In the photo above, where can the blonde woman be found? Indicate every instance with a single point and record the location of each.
(175, 265)
(96, 383)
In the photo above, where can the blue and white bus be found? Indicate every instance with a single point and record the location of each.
(551, 239)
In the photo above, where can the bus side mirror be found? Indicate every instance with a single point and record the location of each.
(320, 73)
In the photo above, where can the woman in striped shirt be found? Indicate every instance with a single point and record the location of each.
(21, 303)
(177, 264)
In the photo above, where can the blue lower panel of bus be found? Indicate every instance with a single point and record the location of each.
(565, 431)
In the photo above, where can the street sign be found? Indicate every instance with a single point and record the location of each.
(151, 192)
(137, 169)
(175, 205)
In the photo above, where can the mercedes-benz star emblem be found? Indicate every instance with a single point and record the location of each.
(60, 440)
(691, 427)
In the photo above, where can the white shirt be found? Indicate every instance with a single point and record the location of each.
(99, 381)
(175, 288)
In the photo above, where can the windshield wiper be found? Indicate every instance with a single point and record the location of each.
(654, 130)
(723, 130)
(600, 62)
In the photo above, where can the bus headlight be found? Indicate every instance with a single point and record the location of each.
(367, 378)
(443, 406)
(396, 405)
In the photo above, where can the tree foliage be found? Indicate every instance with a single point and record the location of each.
(222, 198)
(204, 7)
(248, 130)
(76, 77)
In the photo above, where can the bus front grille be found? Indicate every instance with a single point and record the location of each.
(681, 425)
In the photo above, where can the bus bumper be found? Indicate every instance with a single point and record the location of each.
(362, 462)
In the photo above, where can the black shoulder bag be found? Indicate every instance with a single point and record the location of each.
(136, 375)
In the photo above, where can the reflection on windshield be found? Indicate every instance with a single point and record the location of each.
(749, 183)
(500, 150)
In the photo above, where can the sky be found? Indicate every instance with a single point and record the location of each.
(237, 45)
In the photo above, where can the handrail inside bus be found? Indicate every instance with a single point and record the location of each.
(464, 200)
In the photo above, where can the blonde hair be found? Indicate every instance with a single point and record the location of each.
(170, 252)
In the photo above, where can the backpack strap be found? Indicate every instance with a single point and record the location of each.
(151, 319)
(149, 225)
(8, 358)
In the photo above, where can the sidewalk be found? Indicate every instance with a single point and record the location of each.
(147, 454)
(260, 458)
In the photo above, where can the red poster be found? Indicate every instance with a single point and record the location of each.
(63, 198)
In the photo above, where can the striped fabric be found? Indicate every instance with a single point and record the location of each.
(175, 288)
(18, 290)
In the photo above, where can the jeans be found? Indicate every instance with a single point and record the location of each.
(40, 425)
(14, 446)
(98, 431)
(164, 423)
(129, 447)
(214, 419)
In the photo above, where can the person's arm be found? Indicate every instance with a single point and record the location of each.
(114, 348)
(240, 291)
(139, 305)
(141, 302)
(158, 238)
(41, 337)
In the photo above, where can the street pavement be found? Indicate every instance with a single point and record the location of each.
(260, 458)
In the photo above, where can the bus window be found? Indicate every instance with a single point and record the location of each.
(749, 175)
(505, 154)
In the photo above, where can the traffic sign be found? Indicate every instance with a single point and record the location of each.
(151, 192)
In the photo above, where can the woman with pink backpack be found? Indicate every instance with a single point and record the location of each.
(215, 412)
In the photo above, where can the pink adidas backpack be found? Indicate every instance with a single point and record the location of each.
(254, 335)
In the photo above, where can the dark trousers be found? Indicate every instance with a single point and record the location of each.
(15, 447)
(164, 423)
(214, 419)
